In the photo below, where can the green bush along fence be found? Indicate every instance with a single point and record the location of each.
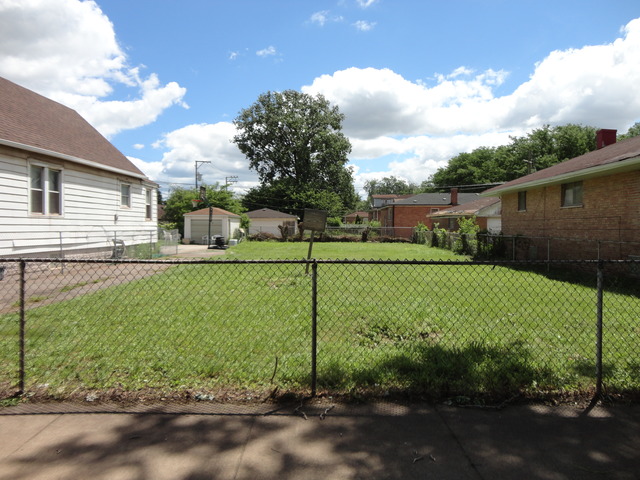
(434, 329)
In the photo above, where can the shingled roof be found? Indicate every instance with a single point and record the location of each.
(35, 123)
(469, 208)
(434, 199)
(613, 158)
(268, 213)
(214, 211)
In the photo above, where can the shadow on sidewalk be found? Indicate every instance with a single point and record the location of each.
(366, 441)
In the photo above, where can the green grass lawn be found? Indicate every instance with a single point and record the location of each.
(433, 329)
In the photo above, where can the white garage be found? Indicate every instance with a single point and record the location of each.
(196, 224)
(269, 221)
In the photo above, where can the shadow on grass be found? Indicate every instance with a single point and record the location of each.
(436, 372)
(622, 378)
(615, 277)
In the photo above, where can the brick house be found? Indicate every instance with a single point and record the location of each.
(486, 211)
(587, 207)
(354, 216)
(381, 200)
(400, 217)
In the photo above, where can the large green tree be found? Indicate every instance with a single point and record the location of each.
(295, 143)
(539, 149)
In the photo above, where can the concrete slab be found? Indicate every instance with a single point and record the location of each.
(380, 440)
(361, 443)
(118, 447)
(550, 442)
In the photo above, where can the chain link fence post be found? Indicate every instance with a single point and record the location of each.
(600, 282)
(22, 326)
(314, 326)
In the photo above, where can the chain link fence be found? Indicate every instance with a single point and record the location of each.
(92, 243)
(520, 247)
(237, 330)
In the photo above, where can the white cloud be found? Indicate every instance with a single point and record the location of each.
(138, 146)
(364, 26)
(366, 3)
(267, 52)
(324, 16)
(67, 50)
(320, 17)
(201, 142)
(416, 126)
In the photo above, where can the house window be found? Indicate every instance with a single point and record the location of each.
(45, 190)
(125, 195)
(434, 210)
(572, 194)
(148, 203)
(522, 201)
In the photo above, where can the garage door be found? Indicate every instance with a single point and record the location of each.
(200, 228)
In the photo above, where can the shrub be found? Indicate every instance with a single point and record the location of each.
(466, 242)
(419, 234)
(439, 237)
(262, 236)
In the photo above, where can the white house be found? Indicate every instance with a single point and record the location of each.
(64, 189)
(269, 221)
(196, 224)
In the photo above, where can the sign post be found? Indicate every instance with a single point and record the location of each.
(316, 221)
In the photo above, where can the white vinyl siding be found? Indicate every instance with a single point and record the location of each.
(89, 201)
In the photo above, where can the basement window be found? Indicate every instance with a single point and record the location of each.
(572, 194)
(522, 201)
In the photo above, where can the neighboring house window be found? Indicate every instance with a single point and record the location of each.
(522, 201)
(125, 195)
(572, 194)
(45, 190)
(148, 203)
(434, 210)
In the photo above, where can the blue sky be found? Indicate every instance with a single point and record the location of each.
(418, 81)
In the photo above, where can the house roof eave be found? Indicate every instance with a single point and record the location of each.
(70, 158)
(607, 169)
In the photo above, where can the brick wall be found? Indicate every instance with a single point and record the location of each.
(610, 212)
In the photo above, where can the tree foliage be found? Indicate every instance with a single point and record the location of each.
(295, 144)
(389, 185)
(633, 131)
(539, 149)
(280, 195)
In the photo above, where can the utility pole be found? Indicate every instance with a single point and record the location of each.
(230, 180)
(199, 175)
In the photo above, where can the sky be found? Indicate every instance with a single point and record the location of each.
(419, 81)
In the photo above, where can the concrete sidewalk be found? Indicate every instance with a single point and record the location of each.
(380, 440)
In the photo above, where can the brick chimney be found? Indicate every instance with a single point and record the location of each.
(454, 196)
(605, 137)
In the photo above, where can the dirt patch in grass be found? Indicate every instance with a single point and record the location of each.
(55, 282)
